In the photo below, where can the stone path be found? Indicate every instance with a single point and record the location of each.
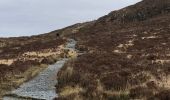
(43, 86)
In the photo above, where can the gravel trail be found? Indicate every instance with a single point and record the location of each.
(42, 86)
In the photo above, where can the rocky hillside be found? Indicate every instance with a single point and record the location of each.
(138, 12)
(126, 56)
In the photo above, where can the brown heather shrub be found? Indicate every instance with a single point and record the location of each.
(115, 82)
(152, 85)
(147, 24)
(67, 77)
(163, 95)
(116, 97)
(49, 60)
(141, 92)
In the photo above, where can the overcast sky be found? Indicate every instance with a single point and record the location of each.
(28, 17)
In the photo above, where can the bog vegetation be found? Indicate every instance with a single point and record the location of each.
(127, 56)
(23, 58)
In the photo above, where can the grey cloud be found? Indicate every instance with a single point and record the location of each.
(28, 17)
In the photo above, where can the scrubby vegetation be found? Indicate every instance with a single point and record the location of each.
(127, 56)
(22, 58)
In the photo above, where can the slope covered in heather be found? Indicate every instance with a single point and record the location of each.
(22, 58)
(126, 55)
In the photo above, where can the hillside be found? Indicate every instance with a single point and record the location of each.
(127, 56)
(22, 58)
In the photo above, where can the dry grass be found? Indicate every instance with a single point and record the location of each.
(21, 58)
(13, 80)
(67, 91)
(126, 55)
(6, 61)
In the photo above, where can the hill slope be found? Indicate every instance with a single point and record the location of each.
(22, 58)
(127, 55)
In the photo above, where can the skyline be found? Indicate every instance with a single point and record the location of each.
(32, 17)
